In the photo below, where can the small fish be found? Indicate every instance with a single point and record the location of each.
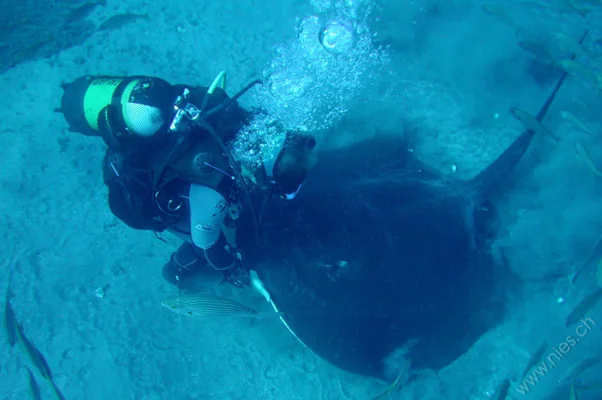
(207, 306)
(498, 14)
(584, 106)
(536, 4)
(33, 386)
(501, 392)
(568, 45)
(36, 357)
(531, 123)
(575, 121)
(564, 6)
(81, 12)
(573, 392)
(583, 307)
(59, 395)
(537, 51)
(575, 370)
(578, 70)
(585, 158)
(535, 358)
(594, 253)
(120, 20)
(393, 386)
(584, 366)
(583, 11)
(10, 320)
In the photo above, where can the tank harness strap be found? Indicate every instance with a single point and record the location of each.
(184, 141)
(228, 102)
(182, 144)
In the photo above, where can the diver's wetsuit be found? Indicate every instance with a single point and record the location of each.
(166, 169)
(192, 180)
(164, 175)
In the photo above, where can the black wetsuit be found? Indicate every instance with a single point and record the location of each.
(148, 184)
(135, 174)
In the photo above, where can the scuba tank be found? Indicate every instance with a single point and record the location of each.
(124, 111)
(138, 112)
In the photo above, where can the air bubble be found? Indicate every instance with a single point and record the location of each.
(337, 37)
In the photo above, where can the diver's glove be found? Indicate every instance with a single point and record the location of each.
(238, 275)
(226, 259)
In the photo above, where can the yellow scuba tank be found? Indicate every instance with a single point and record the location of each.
(119, 109)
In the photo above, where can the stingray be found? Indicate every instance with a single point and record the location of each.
(378, 252)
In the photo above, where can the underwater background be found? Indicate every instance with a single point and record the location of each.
(442, 75)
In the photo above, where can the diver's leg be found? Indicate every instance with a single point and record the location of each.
(208, 211)
(183, 265)
(222, 257)
(188, 262)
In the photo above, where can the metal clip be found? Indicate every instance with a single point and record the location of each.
(175, 123)
(177, 119)
(192, 112)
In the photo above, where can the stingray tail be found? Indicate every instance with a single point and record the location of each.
(490, 178)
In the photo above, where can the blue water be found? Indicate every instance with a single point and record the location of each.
(440, 74)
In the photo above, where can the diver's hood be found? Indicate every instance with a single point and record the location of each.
(285, 188)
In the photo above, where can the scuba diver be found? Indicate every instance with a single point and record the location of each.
(168, 168)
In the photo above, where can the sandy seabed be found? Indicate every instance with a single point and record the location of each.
(60, 242)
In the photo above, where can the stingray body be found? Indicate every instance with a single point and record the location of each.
(378, 251)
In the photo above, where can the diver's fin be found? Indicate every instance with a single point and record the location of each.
(490, 178)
